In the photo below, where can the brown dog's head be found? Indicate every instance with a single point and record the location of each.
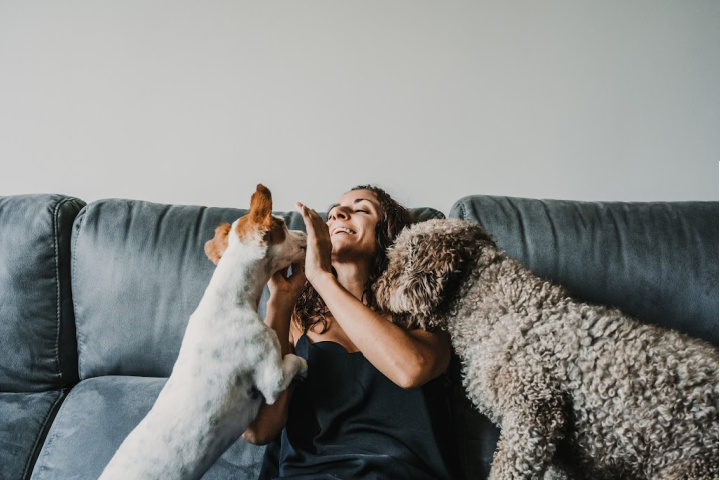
(259, 228)
(427, 264)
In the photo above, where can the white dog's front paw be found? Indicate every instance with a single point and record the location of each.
(302, 371)
(298, 368)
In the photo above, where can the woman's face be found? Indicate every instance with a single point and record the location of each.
(352, 223)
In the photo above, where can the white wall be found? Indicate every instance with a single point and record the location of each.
(196, 102)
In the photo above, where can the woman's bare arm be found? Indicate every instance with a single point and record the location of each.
(408, 358)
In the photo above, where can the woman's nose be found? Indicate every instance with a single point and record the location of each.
(339, 213)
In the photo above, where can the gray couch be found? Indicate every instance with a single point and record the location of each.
(94, 300)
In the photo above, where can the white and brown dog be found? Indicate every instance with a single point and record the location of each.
(227, 360)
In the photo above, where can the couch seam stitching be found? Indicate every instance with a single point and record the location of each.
(72, 282)
(43, 428)
(462, 211)
(58, 315)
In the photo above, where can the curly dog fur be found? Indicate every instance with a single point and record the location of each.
(629, 400)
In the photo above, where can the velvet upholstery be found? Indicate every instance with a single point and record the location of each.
(37, 329)
(97, 416)
(139, 271)
(24, 420)
(38, 356)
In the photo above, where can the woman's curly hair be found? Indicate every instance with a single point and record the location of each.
(310, 309)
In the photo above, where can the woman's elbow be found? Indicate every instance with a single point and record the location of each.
(415, 375)
(256, 437)
(409, 382)
(262, 431)
(421, 370)
(269, 421)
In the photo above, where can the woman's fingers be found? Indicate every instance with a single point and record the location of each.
(297, 278)
(317, 258)
(278, 280)
(314, 223)
(311, 218)
(305, 212)
(284, 289)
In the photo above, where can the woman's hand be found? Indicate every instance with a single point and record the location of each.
(318, 258)
(284, 290)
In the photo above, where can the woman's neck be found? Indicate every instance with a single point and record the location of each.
(353, 277)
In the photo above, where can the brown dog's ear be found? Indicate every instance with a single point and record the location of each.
(260, 205)
(215, 248)
(426, 265)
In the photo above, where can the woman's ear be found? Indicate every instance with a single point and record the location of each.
(215, 248)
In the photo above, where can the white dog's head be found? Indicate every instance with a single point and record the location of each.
(259, 228)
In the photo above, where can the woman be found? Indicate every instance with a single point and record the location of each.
(360, 413)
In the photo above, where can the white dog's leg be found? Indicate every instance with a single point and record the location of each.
(273, 378)
(293, 367)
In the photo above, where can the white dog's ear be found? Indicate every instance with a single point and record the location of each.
(215, 248)
(261, 206)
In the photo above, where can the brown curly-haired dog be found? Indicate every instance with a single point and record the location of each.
(629, 400)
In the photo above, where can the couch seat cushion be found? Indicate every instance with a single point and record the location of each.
(97, 416)
(25, 417)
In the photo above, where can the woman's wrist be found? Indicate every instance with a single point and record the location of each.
(322, 280)
(278, 311)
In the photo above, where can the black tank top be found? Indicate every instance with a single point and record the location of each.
(349, 421)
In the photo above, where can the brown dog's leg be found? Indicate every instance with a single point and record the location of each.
(533, 423)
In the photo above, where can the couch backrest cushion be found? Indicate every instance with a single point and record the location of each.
(139, 271)
(37, 333)
(657, 261)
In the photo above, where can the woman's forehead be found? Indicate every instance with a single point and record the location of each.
(356, 196)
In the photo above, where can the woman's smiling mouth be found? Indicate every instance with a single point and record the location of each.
(342, 230)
